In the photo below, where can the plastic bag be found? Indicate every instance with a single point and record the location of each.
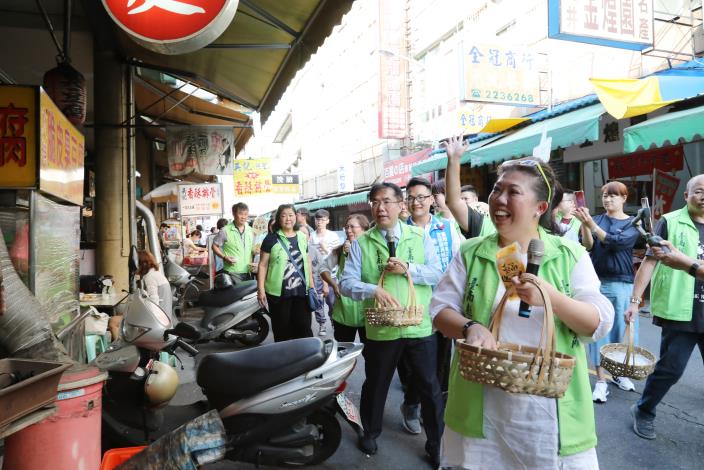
(96, 323)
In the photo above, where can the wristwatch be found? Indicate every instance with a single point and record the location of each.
(693, 269)
(636, 300)
(467, 326)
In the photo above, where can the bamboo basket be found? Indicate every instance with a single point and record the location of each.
(627, 360)
(517, 368)
(410, 315)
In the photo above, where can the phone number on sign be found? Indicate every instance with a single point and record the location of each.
(503, 96)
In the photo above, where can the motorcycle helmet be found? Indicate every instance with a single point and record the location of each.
(161, 384)
(223, 281)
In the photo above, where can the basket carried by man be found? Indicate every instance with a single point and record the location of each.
(518, 368)
(627, 360)
(410, 315)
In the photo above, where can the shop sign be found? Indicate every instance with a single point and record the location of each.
(172, 26)
(643, 163)
(208, 150)
(252, 177)
(200, 199)
(399, 171)
(664, 190)
(61, 154)
(623, 24)
(393, 70)
(285, 184)
(345, 177)
(610, 143)
(18, 137)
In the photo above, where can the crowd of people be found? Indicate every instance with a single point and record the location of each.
(443, 240)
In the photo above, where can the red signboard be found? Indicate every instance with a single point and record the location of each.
(643, 163)
(399, 171)
(664, 189)
(172, 26)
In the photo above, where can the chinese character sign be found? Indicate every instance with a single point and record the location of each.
(200, 199)
(252, 176)
(500, 74)
(285, 184)
(472, 120)
(643, 163)
(664, 190)
(626, 24)
(61, 153)
(398, 171)
(204, 150)
(18, 140)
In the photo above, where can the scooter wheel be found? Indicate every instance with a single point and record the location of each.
(262, 331)
(330, 437)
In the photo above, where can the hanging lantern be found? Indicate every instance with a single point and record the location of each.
(67, 88)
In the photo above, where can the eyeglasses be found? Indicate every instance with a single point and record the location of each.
(385, 203)
(421, 199)
(532, 163)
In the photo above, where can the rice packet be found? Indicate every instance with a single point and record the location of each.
(509, 264)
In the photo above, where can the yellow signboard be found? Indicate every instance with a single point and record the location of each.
(61, 154)
(252, 176)
(18, 137)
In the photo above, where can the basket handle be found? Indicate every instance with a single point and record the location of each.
(628, 336)
(411, 300)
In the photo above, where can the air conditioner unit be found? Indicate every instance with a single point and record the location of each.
(698, 40)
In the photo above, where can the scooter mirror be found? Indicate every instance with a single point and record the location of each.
(183, 330)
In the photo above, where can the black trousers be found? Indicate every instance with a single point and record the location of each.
(405, 374)
(347, 334)
(290, 317)
(675, 350)
(381, 360)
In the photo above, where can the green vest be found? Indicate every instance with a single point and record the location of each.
(669, 302)
(346, 310)
(375, 255)
(487, 227)
(234, 246)
(465, 405)
(278, 260)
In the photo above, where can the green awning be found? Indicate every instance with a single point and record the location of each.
(669, 129)
(439, 162)
(567, 129)
(337, 201)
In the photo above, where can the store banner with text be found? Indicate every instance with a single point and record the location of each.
(503, 74)
(393, 70)
(200, 199)
(252, 176)
(643, 163)
(624, 24)
(398, 171)
(285, 184)
(18, 139)
(206, 150)
(664, 192)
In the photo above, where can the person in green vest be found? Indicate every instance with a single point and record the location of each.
(676, 300)
(234, 243)
(347, 314)
(284, 276)
(415, 256)
(487, 427)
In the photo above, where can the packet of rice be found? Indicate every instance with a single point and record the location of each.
(509, 264)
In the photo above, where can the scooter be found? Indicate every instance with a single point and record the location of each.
(278, 402)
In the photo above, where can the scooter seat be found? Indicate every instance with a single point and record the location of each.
(230, 376)
(225, 297)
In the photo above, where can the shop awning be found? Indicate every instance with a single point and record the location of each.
(439, 161)
(669, 129)
(572, 128)
(502, 124)
(625, 98)
(337, 201)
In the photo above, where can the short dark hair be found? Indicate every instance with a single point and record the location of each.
(199, 227)
(164, 225)
(196, 233)
(239, 207)
(468, 188)
(303, 211)
(438, 187)
(277, 225)
(418, 181)
(221, 223)
(377, 188)
(321, 214)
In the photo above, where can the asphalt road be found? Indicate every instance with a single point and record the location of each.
(679, 424)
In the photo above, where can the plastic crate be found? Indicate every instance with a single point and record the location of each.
(115, 457)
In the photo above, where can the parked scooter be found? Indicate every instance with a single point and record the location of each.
(278, 401)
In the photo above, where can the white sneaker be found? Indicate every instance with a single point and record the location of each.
(322, 331)
(624, 383)
(601, 391)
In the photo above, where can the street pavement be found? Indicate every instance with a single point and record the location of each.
(679, 423)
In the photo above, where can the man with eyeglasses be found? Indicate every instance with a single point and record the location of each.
(416, 257)
(419, 200)
(676, 300)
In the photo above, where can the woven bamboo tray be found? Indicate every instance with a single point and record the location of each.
(517, 368)
(410, 315)
(626, 359)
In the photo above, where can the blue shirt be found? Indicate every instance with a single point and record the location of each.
(447, 240)
(428, 274)
(613, 258)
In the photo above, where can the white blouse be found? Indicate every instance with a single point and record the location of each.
(521, 430)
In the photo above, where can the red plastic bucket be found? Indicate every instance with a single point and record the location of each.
(69, 439)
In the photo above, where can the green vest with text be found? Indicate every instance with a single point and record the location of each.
(239, 248)
(346, 310)
(375, 255)
(278, 260)
(465, 404)
(669, 302)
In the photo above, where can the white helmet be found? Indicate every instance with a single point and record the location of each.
(161, 383)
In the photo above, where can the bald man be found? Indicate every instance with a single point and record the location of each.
(678, 311)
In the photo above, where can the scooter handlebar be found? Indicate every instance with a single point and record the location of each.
(186, 347)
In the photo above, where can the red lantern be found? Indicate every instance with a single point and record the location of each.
(67, 88)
